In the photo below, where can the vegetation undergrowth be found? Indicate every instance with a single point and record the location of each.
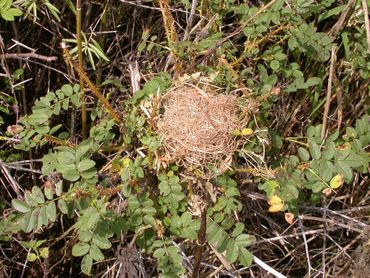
(86, 186)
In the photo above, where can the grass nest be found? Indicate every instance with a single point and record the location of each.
(197, 126)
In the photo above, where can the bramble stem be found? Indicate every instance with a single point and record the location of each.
(80, 66)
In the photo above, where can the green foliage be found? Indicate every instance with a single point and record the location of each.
(32, 7)
(8, 12)
(37, 211)
(37, 124)
(90, 47)
(222, 231)
(73, 164)
(233, 244)
(37, 253)
(171, 193)
(319, 162)
(169, 259)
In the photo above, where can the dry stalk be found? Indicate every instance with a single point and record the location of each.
(169, 26)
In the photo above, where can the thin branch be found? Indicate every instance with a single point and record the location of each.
(342, 19)
(19, 168)
(80, 67)
(27, 55)
(268, 268)
(11, 180)
(367, 23)
(189, 19)
(306, 247)
(328, 93)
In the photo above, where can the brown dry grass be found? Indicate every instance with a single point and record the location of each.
(196, 126)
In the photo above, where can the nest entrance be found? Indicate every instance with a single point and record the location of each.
(196, 126)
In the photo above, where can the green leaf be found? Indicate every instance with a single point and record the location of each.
(42, 129)
(354, 160)
(245, 257)
(51, 211)
(67, 90)
(85, 165)
(7, 15)
(65, 104)
(70, 174)
(343, 168)
(44, 253)
(318, 187)
(303, 154)
(95, 253)
(99, 52)
(30, 221)
(313, 81)
(326, 171)
(59, 188)
(86, 264)
(83, 148)
(314, 149)
(37, 195)
(20, 206)
(57, 107)
(75, 100)
(88, 174)
(80, 249)
(232, 252)
(25, 221)
(101, 242)
(328, 13)
(37, 119)
(29, 199)
(215, 233)
(93, 220)
(244, 240)
(223, 244)
(84, 236)
(31, 257)
(48, 192)
(329, 151)
(274, 64)
(43, 218)
(65, 157)
(333, 137)
(239, 228)
(53, 10)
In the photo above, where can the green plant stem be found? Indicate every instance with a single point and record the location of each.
(80, 66)
(290, 139)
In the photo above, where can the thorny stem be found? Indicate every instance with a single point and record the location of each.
(201, 241)
(91, 86)
(80, 66)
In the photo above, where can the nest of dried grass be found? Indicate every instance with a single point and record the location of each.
(197, 126)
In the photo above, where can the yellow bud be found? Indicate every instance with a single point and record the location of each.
(246, 131)
(276, 207)
(336, 181)
(276, 204)
(275, 200)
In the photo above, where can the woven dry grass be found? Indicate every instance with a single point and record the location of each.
(196, 126)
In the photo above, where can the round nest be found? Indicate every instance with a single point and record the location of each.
(197, 127)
